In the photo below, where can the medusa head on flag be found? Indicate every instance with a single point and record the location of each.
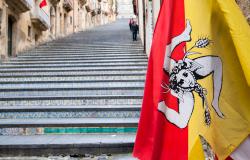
(183, 76)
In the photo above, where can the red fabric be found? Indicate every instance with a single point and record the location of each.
(158, 139)
(229, 158)
(43, 4)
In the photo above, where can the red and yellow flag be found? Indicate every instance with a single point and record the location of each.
(43, 3)
(197, 85)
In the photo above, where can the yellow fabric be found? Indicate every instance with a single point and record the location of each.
(196, 152)
(223, 22)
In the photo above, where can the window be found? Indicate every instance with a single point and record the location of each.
(29, 31)
(36, 38)
(71, 20)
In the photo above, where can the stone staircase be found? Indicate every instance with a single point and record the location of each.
(80, 94)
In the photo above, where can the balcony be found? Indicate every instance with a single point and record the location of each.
(54, 2)
(20, 6)
(68, 5)
(40, 18)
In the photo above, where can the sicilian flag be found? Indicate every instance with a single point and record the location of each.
(196, 95)
(43, 3)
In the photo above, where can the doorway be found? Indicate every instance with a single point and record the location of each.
(10, 36)
(65, 24)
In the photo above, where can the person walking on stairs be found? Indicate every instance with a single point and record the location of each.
(135, 30)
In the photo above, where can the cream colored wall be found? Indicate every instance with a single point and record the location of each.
(20, 31)
(125, 9)
(140, 18)
(3, 41)
(23, 40)
(156, 8)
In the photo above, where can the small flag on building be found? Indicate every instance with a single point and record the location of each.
(43, 3)
(197, 86)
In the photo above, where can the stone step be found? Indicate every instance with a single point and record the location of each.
(44, 145)
(69, 122)
(114, 43)
(79, 59)
(81, 85)
(119, 64)
(66, 130)
(100, 45)
(30, 80)
(70, 97)
(73, 73)
(81, 52)
(60, 48)
(80, 36)
(78, 52)
(77, 62)
(86, 51)
(69, 45)
(92, 44)
(79, 55)
(73, 69)
(70, 92)
(74, 130)
(71, 100)
(92, 111)
(72, 86)
(76, 79)
(65, 108)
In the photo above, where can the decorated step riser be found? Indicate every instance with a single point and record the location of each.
(73, 73)
(70, 114)
(120, 64)
(67, 45)
(75, 45)
(87, 86)
(86, 50)
(63, 69)
(74, 130)
(66, 42)
(66, 54)
(77, 62)
(73, 79)
(140, 58)
(71, 102)
(72, 92)
(135, 56)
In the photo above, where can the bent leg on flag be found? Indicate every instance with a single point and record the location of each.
(181, 118)
(212, 65)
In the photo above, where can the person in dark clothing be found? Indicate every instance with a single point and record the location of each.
(135, 29)
(130, 23)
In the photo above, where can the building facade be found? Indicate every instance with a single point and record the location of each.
(125, 9)
(23, 24)
(147, 14)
